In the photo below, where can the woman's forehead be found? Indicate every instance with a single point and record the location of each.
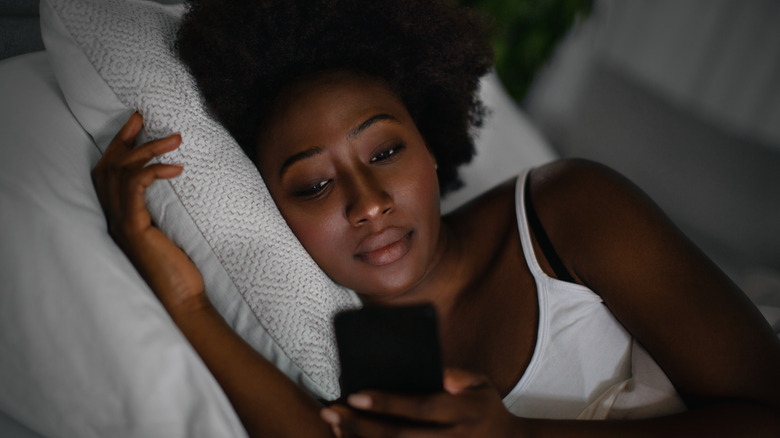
(336, 101)
(340, 82)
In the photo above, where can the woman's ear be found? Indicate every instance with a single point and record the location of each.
(430, 151)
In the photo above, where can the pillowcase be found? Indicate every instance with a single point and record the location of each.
(112, 57)
(86, 350)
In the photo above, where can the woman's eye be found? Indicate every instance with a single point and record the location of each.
(387, 153)
(313, 191)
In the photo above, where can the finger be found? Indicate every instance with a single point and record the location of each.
(442, 408)
(131, 129)
(108, 173)
(125, 138)
(333, 419)
(143, 154)
(119, 145)
(137, 183)
(348, 423)
(457, 380)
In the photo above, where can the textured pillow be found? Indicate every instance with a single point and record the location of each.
(112, 57)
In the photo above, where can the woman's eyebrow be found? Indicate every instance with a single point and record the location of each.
(316, 150)
(363, 126)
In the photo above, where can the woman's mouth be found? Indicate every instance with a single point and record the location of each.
(385, 247)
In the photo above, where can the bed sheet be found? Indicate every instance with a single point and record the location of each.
(85, 348)
(68, 292)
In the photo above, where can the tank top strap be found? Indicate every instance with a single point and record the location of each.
(527, 215)
(523, 227)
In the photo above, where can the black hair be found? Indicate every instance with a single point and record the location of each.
(430, 53)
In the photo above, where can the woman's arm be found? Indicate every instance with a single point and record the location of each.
(267, 402)
(714, 345)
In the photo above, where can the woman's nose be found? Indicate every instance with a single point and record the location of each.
(369, 201)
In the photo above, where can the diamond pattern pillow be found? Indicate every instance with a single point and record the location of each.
(112, 57)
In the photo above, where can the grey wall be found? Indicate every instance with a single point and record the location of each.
(19, 28)
(683, 97)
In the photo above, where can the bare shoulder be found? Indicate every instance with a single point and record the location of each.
(591, 213)
(687, 313)
(570, 197)
(486, 224)
(493, 209)
(580, 184)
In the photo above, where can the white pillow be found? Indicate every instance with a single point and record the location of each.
(112, 57)
(507, 144)
(86, 350)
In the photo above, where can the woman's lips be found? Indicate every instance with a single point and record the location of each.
(385, 247)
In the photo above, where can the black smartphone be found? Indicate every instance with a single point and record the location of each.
(394, 349)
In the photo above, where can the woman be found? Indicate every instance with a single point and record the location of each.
(357, 115)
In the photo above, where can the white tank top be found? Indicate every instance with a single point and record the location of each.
(584, 359)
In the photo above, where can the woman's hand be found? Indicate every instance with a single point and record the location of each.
(469, 406)
(121, 178)
(268, 403)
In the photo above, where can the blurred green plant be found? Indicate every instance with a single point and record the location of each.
(526, 33)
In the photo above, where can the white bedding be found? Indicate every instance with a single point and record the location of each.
(85, 348)
(82, 352)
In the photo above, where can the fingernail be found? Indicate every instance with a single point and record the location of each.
(330, 416)
(360, 401)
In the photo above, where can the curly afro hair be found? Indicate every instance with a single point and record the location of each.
(430, 53)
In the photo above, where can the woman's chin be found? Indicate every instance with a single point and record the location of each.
(390, 288)
(392, 273)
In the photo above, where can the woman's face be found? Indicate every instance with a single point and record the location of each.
(355, 181)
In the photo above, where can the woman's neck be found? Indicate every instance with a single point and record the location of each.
(443, 283)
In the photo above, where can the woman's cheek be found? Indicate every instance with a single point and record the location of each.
(320, 235)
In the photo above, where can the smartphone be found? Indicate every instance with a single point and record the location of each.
(394, 349)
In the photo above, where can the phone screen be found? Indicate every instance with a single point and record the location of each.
(389, 348)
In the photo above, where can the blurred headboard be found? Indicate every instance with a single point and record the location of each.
(19, 29)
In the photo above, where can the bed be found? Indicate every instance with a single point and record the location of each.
(85, 348)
